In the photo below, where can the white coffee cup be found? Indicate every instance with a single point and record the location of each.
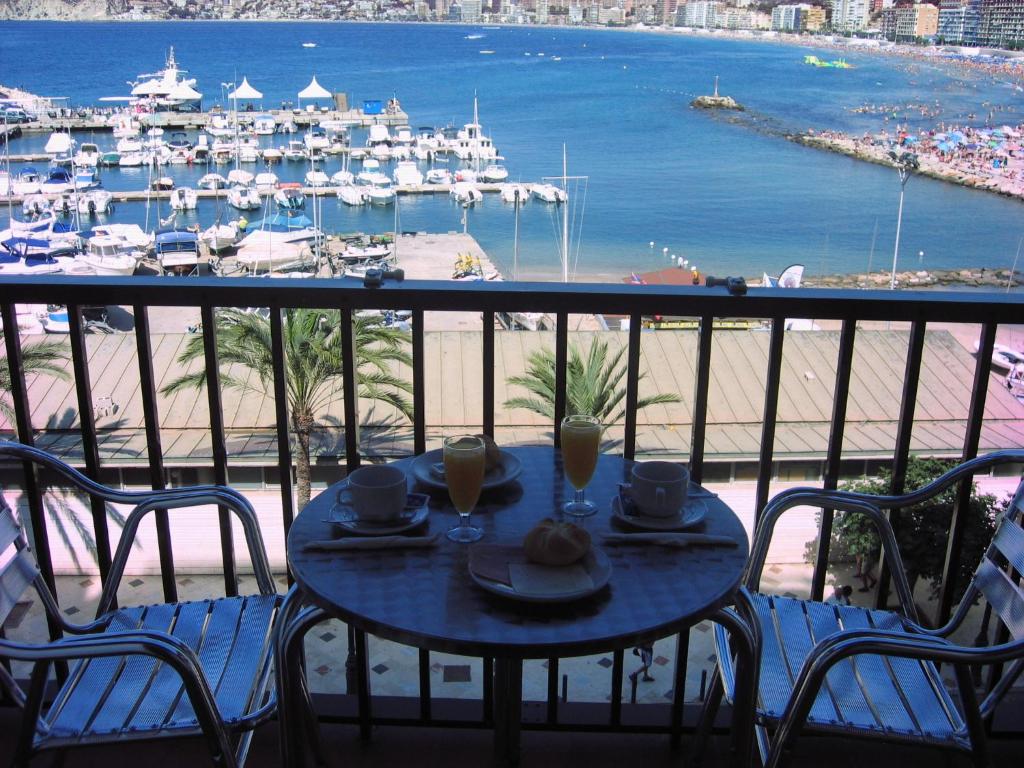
(376, 492)
(658, 488)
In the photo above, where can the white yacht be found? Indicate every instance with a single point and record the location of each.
(466, 193)
(244, 198)
(95, 201)
(351, 195)
(265, 181)
(494, 173)
(111, 255)
(220, 126)
(316, 139)
(296, 150)
(220, 237)
(470, 143)
(264, 125)
(184, 199)
(248, 154)
(240, 177)
(88, 155)
(380, 192)
(168, 88)
(439, 176)
(272, 155)
(342, 178)
(316, 179)
(26, 182)
(212, 181)
(407, 173)
(548, 193)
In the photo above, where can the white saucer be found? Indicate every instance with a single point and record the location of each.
(693, 512)
(345, 518)
(428, 468)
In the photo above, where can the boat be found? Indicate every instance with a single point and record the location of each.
(342, 178)
(264, 125)
(57, 181)
(183, 199)
(290, 198)
(511, 192)
(168, 89)
(110, 255)
(179, 157)
(220, 237)
(316, 179)
(368, 251)
(177, 250)
(59, 146)
(466, 174)
(1003, 357)
(296, 150)
(133, 144)
(309, 45)
(219, 125)
(548, 193)
(403, 135)
(26, 182)
(14, 262)
(212, 181)
(494, 173)
(378, 135)
(88, 155)
(56, 320)
(240, 178)
(407, 173)
(265, 181)
(131, 160)
(36, 206)
(179, 140)
(381, 152)
(352, 195)
(110, 159)
(466, 193)
(380, 192)
(162, 184)
(244, 198)
(124, 125)
(439, 176)
(316, 139)
(86, 178)
(278, 241)
(248, 155)
(272, 155)
(470, 143)
(95, 202)
(131, 233)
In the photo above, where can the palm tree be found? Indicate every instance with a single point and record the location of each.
(44, 357)
(592, 384)
(313, 366)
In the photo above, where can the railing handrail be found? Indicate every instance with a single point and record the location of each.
(496, 296)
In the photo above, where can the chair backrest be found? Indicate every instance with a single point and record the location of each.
(19, 570)
(997, 583)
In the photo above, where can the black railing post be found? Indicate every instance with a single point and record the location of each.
(419, 392)
(350, 389)
(488, 373)
(700, 398)
(770, 414)
(284, 448)
(632, 387)
(561, 371)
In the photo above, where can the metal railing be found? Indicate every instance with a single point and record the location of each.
(558, 300)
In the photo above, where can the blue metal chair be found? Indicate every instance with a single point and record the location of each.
(202, 668)
(853, 671)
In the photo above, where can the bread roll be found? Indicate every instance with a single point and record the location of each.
(492, 453)
(551, 543)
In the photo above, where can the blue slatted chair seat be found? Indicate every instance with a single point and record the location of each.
(885, 696)
(141, 697)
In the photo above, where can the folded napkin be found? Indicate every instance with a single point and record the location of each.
(373, 542)
(670, 539)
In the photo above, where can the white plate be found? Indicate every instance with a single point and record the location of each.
(595, 562)
(345, 518)
(693, 512)
(424, 471)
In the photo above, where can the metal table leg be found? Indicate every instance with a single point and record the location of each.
(508, 709)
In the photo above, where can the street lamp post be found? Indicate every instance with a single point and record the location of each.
(906, 163)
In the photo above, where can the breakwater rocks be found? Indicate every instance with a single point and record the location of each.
(716, 102)
(995, 279)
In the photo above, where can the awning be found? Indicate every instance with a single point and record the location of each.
(147, 88)
(314, 91)
(245, 91)
(184, 92)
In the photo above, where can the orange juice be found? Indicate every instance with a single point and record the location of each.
(464, 472)
(580, 439)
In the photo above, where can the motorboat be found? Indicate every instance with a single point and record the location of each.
(244, 198)
(212, 181)
(265, 181)
(264, 125)
(177, 250)
(366, 252)
(272, 155)
(295, 151)
(290, 198)
(110, 159)
(56, 320)
(88, 155)
(179, 157)
(380, 192)
(548, 193)
(316, 138)
(220, 237)
(248, 154)
(95, 202)
(401, 153)
(168, 88)
(162, 184)
(1003, 357)
(13, 262)
(36, 206)
(59, 147)
(184, 199)
(351, 195)
(494, 173)
(466, 193)
(278, 241)
(219, 125)
(65, 204)
(316, 179)
(130, 144)
(57, 181)
(342, 178)
(240, 178)
(26, 182)
(466, 174)
(110, 255)
(124, 125)
(378, 135)
(439, 176)
(131, 160)
(201, 152)
(407, 173)
(131, 233)
(381, 152)
(86, 178)
(470, 143)
(179, 140)
(512, 192)
(288, 126)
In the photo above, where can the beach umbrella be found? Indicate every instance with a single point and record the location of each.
(314, 91)
(245, 92)
(972, 145)
(939, 137)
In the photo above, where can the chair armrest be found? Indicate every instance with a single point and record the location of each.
(837, 500)
(183, 498)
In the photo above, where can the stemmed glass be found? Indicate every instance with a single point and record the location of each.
(464, 474)
(581, 436)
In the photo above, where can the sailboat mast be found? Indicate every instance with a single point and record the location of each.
(515, 239)
(565, 218)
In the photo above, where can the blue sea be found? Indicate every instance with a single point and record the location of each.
(728, 193)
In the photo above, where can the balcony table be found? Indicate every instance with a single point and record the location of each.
(425, 598)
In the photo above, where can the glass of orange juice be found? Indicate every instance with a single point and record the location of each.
(581, 436)
(464, 474)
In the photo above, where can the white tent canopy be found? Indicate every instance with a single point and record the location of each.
(147, 88)
(184, 92)
(314, 91)
(245, 91)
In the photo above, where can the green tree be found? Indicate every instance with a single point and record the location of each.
(922, 531)
(593, 384)
(46, 357)
(313, 366)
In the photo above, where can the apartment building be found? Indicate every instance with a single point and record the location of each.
(850, 15)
